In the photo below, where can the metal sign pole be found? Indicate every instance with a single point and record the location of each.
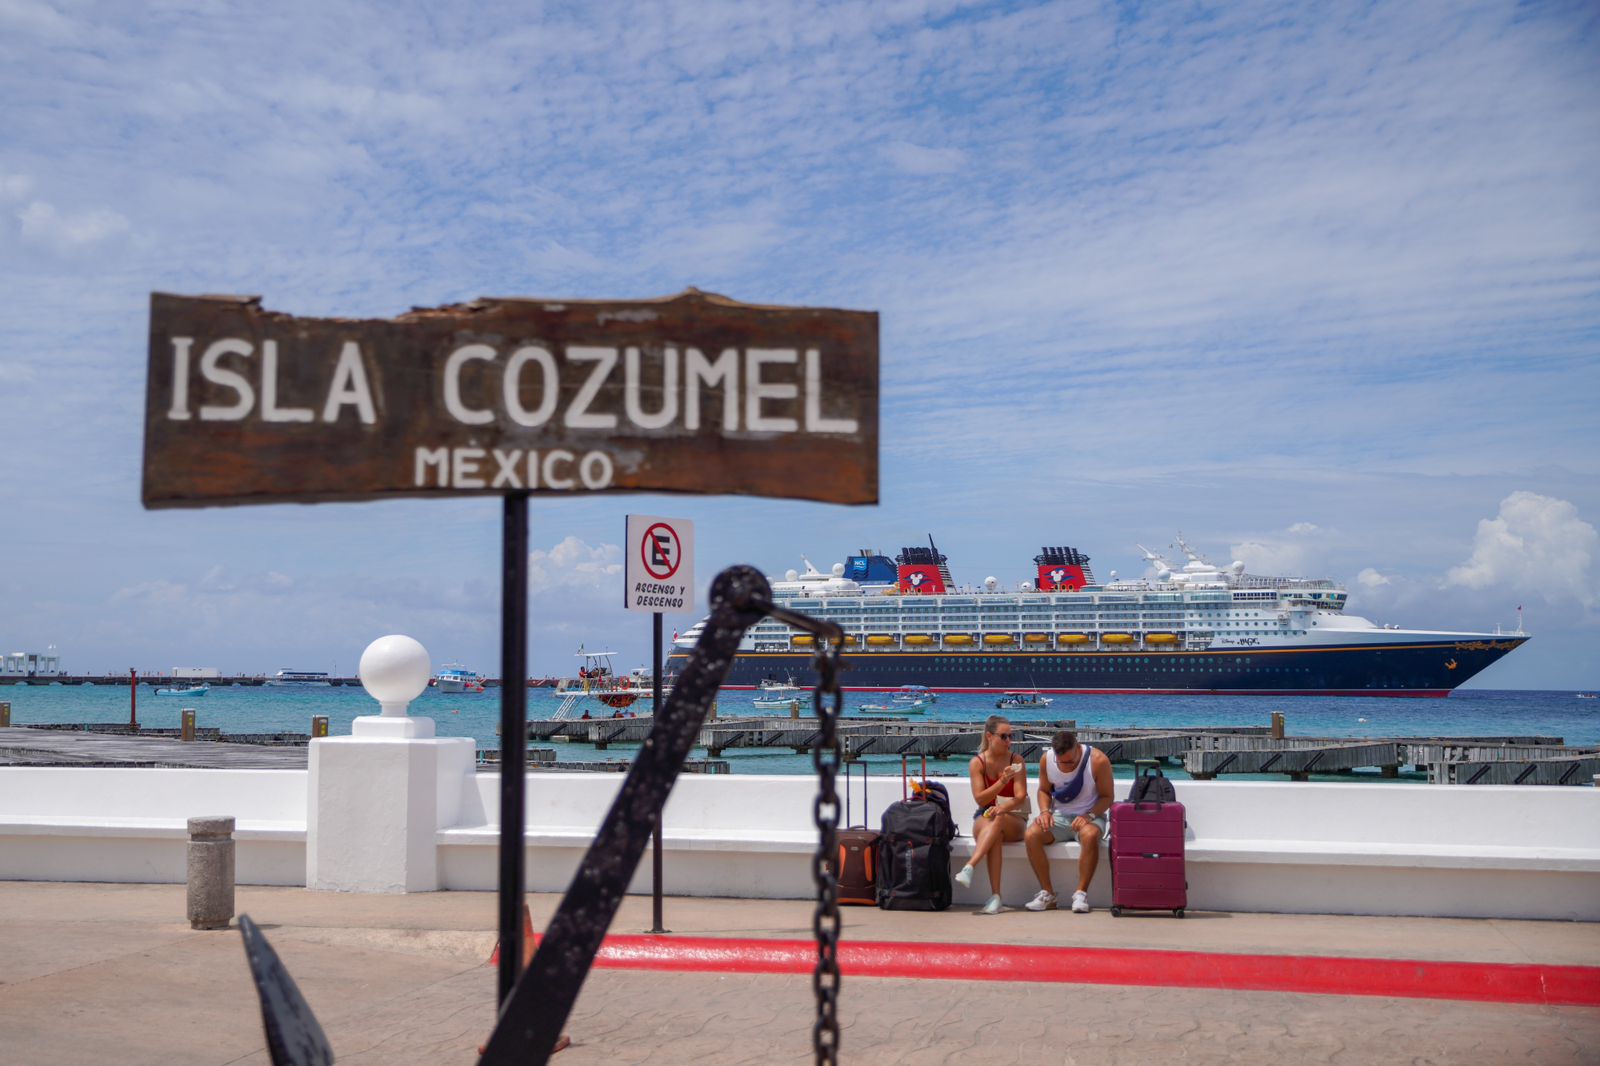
(513, 734)
(655, 838)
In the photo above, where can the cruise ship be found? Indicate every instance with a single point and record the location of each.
(1187, 629)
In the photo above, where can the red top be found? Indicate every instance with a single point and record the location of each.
(990, 782)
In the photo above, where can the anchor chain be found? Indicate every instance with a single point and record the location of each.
(826, 756)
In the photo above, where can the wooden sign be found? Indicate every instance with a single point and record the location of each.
(692, 393)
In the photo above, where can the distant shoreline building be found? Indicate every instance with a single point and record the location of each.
(32, 664)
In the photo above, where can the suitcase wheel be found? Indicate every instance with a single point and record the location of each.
(1116, 912)
(1178, 913)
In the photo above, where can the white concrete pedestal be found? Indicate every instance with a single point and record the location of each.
(376, 801)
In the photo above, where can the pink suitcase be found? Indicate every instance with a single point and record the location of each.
(1147, 870)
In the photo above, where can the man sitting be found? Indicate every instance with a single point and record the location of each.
(1074, 796)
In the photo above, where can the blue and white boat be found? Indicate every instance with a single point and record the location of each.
(192, 690)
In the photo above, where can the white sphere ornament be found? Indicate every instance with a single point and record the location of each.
(395, 670)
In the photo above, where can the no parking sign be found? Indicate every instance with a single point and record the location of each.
(659, 572)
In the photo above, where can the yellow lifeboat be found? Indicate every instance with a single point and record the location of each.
(879, 639)
(999, 638)
(1116, 638)
(919, 638)
(1072, 638)
(1161, 638)
(848, 639)
(957, 638)
(1037, 638)
(804, 641)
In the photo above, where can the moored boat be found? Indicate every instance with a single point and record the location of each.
(300, 678)
(186, 690)
(454, 678)
(919, 707)
(777, 703)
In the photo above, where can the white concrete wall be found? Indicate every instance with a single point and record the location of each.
(1357, 848)
(1343, 848)
(104, 824)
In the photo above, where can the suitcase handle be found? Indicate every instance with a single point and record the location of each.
(866, 803)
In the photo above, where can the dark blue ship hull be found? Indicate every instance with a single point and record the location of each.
(1421, 669)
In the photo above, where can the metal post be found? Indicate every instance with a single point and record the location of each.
(1277, 725)
(513, 734)
(186, 728)
(655, 836)
(133, 698)
(5, 715)
(319, 725)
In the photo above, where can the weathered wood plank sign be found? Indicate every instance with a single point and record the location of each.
(691, 393)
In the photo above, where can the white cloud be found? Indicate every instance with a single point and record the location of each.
(1536, 545)
(1295, 552)
(1371, 579)
(17, 373)
(15, 186)
(43, 224)
(575, 567)
(917, 159)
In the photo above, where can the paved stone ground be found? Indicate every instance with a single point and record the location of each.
(92, 973)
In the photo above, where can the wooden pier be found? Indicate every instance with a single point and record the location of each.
(1204, 752)
(83, 748)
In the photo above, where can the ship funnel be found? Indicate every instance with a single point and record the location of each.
(1062, 569)
(922, 571)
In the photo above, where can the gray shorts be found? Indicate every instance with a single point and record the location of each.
(1061, 826)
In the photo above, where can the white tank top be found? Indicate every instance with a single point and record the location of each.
(1087, 796)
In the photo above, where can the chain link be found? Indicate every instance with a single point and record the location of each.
(826, 756)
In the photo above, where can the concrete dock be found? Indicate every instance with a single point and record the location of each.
(113, 973)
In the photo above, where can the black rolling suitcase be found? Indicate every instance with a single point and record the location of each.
(914, 848)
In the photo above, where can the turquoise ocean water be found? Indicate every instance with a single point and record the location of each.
(248, 710)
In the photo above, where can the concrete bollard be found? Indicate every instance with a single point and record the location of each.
(5, 716)
(1277, 725)
(186, 730)
(319, 725)
(210, 872)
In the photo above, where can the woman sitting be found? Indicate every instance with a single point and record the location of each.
(1000, 787)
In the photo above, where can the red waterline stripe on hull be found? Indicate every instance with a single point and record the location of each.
(1412, 693)
(1307, 974)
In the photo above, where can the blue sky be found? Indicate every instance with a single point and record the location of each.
(1318, 286)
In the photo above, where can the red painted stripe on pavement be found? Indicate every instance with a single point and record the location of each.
(1321, 975)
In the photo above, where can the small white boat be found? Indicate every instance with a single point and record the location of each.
(1022, 700)
(770, 688)
(786, 703)
(895, 708)
(193, 690)
(915, 694)
(301, 678)
(453, 677)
